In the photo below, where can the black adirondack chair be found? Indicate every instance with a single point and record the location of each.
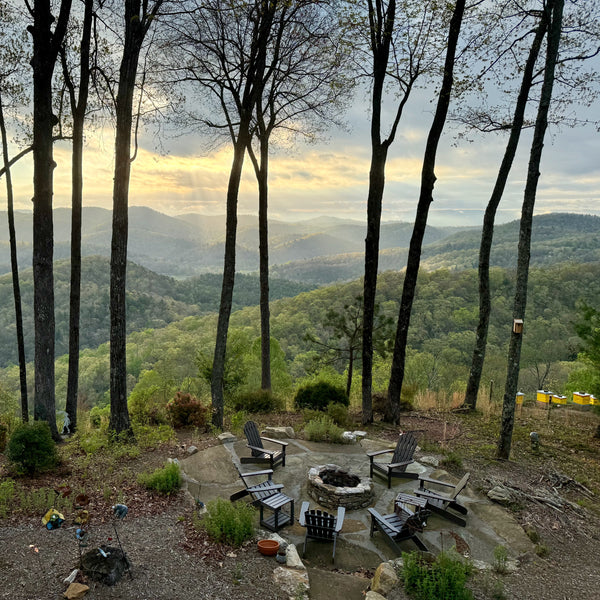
(402, 525)
(321, 525)
(267, 494)
(402, 457)
(445, 505)
(260, 454)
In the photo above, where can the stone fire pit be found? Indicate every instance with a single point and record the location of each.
(331, 486)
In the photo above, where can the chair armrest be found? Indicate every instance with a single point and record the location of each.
(284, 444)
(431, 495)
(378, 452)
(404, 463)
(422, 480)
(303, 510)
(268, 472)
(383, 520)
(264, 488)
(341, 513)
(263, 450)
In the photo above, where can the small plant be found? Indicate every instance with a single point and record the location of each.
(148, 436)
(319, 395)
(257, 401)
(532, 533)
(186, 410)
(338, 412)
(166, 480)
(3, 436)
(323, 429)
(500, 560)
(542, 550)
(99, 417)
(229, 522)
(442, 579)
(237, 420)
(452, 459)
(31, 448)
(7, 492)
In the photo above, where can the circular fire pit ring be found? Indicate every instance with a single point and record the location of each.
(331, 486)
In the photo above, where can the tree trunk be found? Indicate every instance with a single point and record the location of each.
(425, 199)
(78, 110)
(554, 11)
(45, 51)
(487, 233)
(135, 29)
(216, 386)
(382, 25)
(263, 234)
(15, 271)
(350, 372)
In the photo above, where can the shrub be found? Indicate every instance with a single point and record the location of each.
(319, 395)
(338, 413)
(145, 406)
(31, 448)
(258, 401)
(323, 429)
(443, 579)
(3, 436)
(99, 417)
(500, 560)
(229, 522)
(7, 492)
(166, 480)
(186, 410)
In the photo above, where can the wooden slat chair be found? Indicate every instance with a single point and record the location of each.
(402, 525)
(260, 454)
(258, 491)
(402, 457)
(320, 525)
(267, 494)
(442, 504)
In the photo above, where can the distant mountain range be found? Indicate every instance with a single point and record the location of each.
(317, 251)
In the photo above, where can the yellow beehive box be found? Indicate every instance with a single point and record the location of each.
(543, 397)
(581, 399)
(560, 400)
(594, 401)
(519, 398)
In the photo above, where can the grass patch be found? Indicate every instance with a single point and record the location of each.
(166, 480)
(229, 522)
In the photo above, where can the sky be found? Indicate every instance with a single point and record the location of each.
(331, 177)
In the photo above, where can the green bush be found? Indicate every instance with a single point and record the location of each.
(338, 413)
(442, 579)
(229, 522)
(3, 436)
(7, 492)
(31, 448)
(319, 395)
(186, 410)
(99, 417)
(166, 480)
(146, 407)
(257, 401)
(323, 429)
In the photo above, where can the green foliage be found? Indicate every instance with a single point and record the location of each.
(7, 492)
(166, 480)
(237, 421)
(99, 417)
(257, 401)
(148, 399)
(452, 459)
(36, 501)
(443, 579)
(229, 522)
(323, 429)
(338, 413)
(500, 559)
(187, 411)
(319, 395)
(542, 550)
(150, 436)
(31, 448)
(3, 435)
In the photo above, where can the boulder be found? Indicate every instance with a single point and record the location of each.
(227, 438)
(279, 433)
(385, 579)
(501, 495)
(292, 581)
(75, 591)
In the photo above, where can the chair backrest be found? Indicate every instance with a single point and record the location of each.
(253, 436)
(405, 448)
(460, 486)
(319, 524)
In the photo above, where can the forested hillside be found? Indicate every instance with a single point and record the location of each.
(192, 244)
(152, 301)
(441, 335)
(556, 238)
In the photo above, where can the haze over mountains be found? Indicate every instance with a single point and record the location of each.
(316, 251)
